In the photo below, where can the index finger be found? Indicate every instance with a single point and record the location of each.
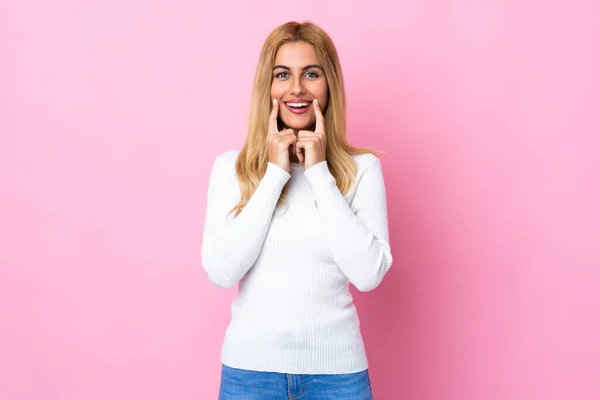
(273, 117)
(320, 120)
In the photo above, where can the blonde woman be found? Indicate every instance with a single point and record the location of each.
(294, 217)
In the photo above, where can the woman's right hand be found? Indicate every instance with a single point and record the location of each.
(278, 143)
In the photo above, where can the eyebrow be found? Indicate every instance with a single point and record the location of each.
(303, 69)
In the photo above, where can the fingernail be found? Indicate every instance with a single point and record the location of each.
(274, 101)
(316, 101)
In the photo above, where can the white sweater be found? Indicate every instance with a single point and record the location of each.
(293, 312)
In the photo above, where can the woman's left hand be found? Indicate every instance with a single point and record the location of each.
(313, 143)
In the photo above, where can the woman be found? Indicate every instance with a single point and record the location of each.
(295, 216)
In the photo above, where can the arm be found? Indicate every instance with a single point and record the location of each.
(230, 246)
(359, 242)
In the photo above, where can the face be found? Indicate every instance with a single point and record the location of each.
(298, 79)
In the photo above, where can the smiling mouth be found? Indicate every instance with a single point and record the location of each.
(297, 107)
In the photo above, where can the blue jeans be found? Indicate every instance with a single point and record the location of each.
(241, 384)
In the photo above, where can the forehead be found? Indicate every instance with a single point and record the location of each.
(296, 55)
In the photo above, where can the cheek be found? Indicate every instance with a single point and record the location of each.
(277, 90)
(323, 95)
(323, 101)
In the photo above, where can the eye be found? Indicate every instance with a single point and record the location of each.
(280, 75)
(314, 74)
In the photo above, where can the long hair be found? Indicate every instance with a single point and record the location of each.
(251, 162)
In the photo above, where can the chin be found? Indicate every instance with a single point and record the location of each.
(297, 123)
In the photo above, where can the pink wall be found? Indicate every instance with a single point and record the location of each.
(111, 115)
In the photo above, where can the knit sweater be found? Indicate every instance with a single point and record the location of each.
(293, 311)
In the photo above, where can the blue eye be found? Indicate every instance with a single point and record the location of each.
(283, 75)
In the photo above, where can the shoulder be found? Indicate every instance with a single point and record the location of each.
(228, 157)
(223, 168)
(364, 162)
(225, 162)
(368, 173)
(223, 177)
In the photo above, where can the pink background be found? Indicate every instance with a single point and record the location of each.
(112, 113)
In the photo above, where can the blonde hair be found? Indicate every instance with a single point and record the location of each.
(251, 162)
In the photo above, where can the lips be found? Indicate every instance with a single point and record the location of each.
(298, 106)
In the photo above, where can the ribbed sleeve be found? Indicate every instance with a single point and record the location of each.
(359, 242)
(230, 245)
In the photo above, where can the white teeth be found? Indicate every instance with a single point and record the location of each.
(298, 104)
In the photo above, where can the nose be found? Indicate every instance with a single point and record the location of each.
(297, 86)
